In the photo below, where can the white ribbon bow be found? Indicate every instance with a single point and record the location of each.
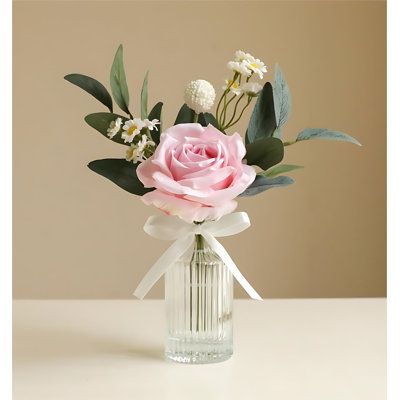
(170, 228)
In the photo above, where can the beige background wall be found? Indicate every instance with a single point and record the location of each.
(77, 235)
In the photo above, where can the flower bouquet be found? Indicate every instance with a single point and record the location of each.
(193, 171)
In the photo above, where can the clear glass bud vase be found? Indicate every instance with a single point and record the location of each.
(199, 302)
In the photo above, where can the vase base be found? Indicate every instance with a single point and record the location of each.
(197, 357)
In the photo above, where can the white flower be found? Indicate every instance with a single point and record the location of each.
(258, 67)
(150, 125)
(240, 67)
(131, 129)
(247, 62)
(242, 56)
(114, 127)
(251, 88)
(131, 153)
(140, 151)
(234, 87)
(199, 95)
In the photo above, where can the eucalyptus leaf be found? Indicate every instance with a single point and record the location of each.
(93, 87)
(325, 134)
(262, 183)
(207, 118)
(119, 87)
(265, 152)
(143, 97)
(156, 113)
(282, 100)
(185, 115)
(278, 133)
(101, 122)
(262, 121)
(121, 172)
(280, 169)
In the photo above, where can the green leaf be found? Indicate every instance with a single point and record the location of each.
(207, 118)
(119, 87)
(278, 133)
(143, 97)
(93, 87)
(280, 169)
(282, 100)
(262, 183)
(122, 173)
(156, 113)
(246, 139)
(262, 121)
(101, 122)
(265, 152)
(185, 115)
(325, 134)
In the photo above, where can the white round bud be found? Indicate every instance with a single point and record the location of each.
(199, 95)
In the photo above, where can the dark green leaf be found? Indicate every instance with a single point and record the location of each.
(101, 122)
(262, 121)
(279, 169)
(325, 134)
(155, 113)
(119, 87)
(185, 115)
(246, 139)
(93, 87)
(207, 118)
(143, 97)
(262, 183)
(265, 152)
(121, 172)
(282, 100)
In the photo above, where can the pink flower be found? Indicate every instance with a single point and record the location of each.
(197, 172)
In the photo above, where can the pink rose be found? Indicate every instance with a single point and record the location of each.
(197, 172)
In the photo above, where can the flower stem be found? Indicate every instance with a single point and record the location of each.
(226, 108)
(224, 94)
(196, 264)
(235, 109)
(147, 133)
(240, 115)
(196, 117)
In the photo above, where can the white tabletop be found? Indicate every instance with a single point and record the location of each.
(318, 349)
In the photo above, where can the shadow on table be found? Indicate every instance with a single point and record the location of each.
(51, 344)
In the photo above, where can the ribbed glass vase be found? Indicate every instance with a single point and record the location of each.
(199, 300)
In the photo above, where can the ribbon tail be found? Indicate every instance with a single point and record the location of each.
(159, 268)
(227, 260)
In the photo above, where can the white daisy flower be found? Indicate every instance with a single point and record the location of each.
(258, 67)
(114, 127)
(131, 153)
(251, 88)
(240, 67)
(234, 87)
(131, 129)
(150, 125)
(199, 95)
(251, 63)
(144, 142)
(242, 56)
(140, 151)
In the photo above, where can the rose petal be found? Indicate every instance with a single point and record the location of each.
(186, 210)
(207, 180)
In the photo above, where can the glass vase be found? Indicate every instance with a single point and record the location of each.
(199, 302)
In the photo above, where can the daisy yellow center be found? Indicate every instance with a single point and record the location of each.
(131, 129)
(254, 65)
